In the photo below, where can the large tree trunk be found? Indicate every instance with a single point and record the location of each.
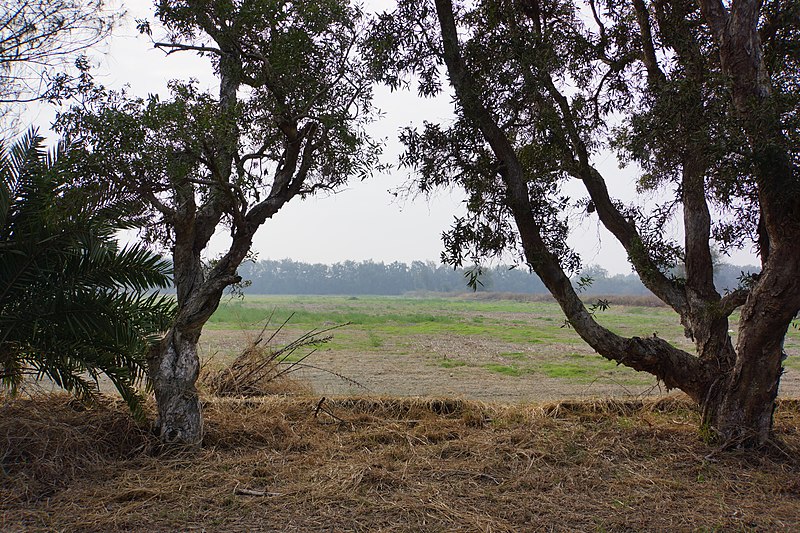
(741, 412)
(201, 200)
(175, 365)
(174, 372)
(174, 369)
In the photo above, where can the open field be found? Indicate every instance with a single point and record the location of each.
(372, 464)
(471, 347)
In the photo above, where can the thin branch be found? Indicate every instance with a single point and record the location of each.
(654, 73)
(601, 27)
(158, 204)
(178, 47)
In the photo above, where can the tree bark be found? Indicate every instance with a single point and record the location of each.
(174, 371)
(741, 412)
(230, 148)
(175, 366)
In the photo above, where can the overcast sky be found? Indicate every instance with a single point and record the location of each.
(364, 220)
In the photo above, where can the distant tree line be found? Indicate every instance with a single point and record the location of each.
(369, 277)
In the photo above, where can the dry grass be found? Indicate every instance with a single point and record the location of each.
(263, 370)
(372, 464)
(256, 371)
(639, 300)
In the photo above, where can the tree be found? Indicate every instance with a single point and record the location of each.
(39, 40)
(704, 101)
(73, 304)
(287, 123)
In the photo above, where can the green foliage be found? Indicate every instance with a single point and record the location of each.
(375, 341)
(584, 282)
(506, 59)
(566, 370)
(599, 305)
(73, 304)
(451, 363)
(295, 126)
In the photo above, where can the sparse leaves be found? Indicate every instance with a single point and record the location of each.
(41, 44)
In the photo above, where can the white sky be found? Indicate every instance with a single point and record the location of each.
(364, 220)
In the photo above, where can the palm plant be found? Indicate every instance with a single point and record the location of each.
(73, 303)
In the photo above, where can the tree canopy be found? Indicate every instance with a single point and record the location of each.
(41, 43)
(693, 94)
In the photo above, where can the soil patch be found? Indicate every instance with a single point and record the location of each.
(445, 364)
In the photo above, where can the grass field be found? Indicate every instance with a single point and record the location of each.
(471, 346)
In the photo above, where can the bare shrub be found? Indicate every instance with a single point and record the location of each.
(261, 370)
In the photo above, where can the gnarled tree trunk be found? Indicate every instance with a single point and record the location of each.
(742, 411)
(175, 365)
(174, 370)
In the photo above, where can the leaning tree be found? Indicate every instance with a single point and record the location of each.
(288, 121)
(702, 98)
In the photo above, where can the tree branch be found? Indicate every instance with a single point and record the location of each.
(655, 75)
(716, 15)
(656, 356)
(160, 206)
(178, 47)
(305, 163)
(622, 229)
(281, 190)
(732, 301)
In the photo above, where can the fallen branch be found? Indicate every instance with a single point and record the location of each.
(251, 492)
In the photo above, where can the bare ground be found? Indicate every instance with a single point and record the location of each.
(416, 365)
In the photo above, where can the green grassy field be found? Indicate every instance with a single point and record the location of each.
(500, 319)
(461, 337)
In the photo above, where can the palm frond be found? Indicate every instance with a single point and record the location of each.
(73, 304)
